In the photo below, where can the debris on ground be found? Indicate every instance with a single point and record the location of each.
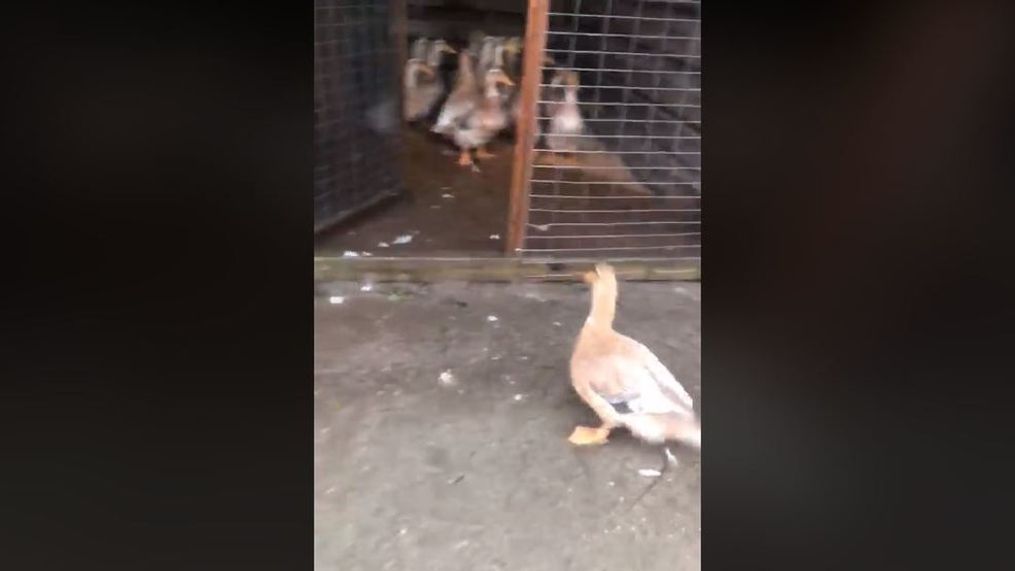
(382, 244)
(670, 457)
(336, 300)
(367, 287)
(447, 379)
(519, 397)
(447, 195)
(558, 324)
(403, 239)
(649, 473)
(491, 318)
(350, 254)
(541, 227)
(495, 236)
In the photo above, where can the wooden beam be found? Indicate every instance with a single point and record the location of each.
(525, 130)
(329, 269)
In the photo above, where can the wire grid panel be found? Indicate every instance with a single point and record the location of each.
(629, 185)
(355, 108)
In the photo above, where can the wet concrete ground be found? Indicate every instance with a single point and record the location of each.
(471, 470)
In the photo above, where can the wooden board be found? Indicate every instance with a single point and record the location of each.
(505, 269)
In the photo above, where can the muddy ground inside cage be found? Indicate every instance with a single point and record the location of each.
(447, 208)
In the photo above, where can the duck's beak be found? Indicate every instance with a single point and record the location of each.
(449, 49)
(589, 277)
(505, 80)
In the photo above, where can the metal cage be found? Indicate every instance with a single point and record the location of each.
(356, 102)
(632, 187)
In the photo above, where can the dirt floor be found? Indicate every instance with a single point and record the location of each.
(441, 418)
(447, 209)
(453, 210)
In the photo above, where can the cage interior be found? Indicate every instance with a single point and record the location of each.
(614, 164)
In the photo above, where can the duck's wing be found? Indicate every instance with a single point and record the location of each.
(660, 374)
(633, 381)
(457, 107)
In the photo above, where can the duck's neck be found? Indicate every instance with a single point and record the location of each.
(412, 71)
(571, 96)
(491, 90)
(465, 75)
(604, 305)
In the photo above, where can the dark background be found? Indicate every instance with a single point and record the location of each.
(856, 315)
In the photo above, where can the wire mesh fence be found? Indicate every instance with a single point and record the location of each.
(355, 108)
(617, 157)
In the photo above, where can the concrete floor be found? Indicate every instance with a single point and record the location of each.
(474, 472)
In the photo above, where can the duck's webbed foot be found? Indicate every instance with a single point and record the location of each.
(585, 436)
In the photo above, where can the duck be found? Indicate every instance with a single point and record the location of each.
(569, 144)
(566, 125)
(464, 97)
(623, 381)
(423, 84)
(487, 119)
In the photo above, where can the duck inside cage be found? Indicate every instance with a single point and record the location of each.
(547, 129)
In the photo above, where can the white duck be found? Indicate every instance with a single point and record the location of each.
(566, 123)
(464, 97)
(424, 86)
(487, 119)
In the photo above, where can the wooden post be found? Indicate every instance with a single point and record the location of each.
(525, 130)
